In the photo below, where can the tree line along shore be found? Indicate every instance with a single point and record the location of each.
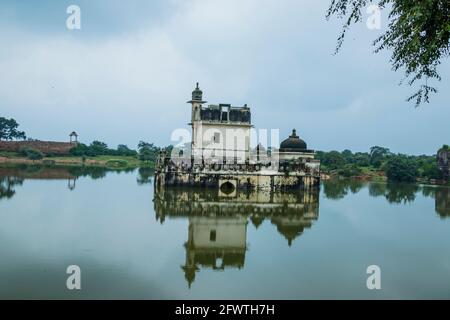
(379, 163)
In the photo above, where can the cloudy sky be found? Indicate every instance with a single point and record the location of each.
(127, 74)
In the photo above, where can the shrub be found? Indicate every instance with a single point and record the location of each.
(79, 150)
(48, 162)
(31, 153)
(117, 163)
(123, 150)
(350, 170)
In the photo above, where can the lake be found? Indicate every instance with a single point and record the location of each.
(130, 242)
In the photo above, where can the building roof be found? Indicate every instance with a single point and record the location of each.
(226, 113)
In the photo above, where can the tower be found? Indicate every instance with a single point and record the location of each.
(196, 103)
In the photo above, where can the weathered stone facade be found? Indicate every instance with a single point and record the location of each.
(228, 179)
(443, 161)
(221, 158)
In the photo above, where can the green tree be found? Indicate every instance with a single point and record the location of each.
(431, 171)
(146, 154)
(417, 34)
(377, 154)
(80, 150)
(362, 159)
(123, 150)
(147, 151)
(8, 130)
(332, 160)
(348, 156)
(98, 148)
(402, 169)
(143, 144)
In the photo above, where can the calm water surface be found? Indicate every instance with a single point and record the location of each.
(131, 242)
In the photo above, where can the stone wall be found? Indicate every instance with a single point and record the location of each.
(46, 147)
(443, 161)
(248, 181)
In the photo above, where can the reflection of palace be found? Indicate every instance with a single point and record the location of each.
(217, 236)
(442, 201)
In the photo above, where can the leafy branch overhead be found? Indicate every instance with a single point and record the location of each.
(417, 34)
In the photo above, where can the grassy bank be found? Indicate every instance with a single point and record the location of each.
(8, 159)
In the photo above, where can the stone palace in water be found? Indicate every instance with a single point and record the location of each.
(220, 155)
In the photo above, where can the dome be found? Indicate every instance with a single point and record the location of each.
(293, 143)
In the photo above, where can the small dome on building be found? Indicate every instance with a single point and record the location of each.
(293, 143)
(197, 94)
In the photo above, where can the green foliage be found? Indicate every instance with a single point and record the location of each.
(361, 159)
(146, 154)
(377, 155)
(418, 34)
(8, 130)
(98, 148)
(445, 147)
(117, 163)
(31, 153)
(79, 150)
(350, 170)
(332, 160)
(147, 151)
(48, 162)
(123, 150)
(401, 169)
(431, 171)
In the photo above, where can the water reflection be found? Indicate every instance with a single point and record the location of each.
(442, 197)
(336, 189)
(145, 175)
(12, 177)
(111, 230)
(7, 186)
(217, 231)
(333, 189)
(394, 193)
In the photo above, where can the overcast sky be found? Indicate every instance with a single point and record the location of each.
(127, 74)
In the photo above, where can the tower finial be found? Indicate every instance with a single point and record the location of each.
(197, 94)
(294, 133)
